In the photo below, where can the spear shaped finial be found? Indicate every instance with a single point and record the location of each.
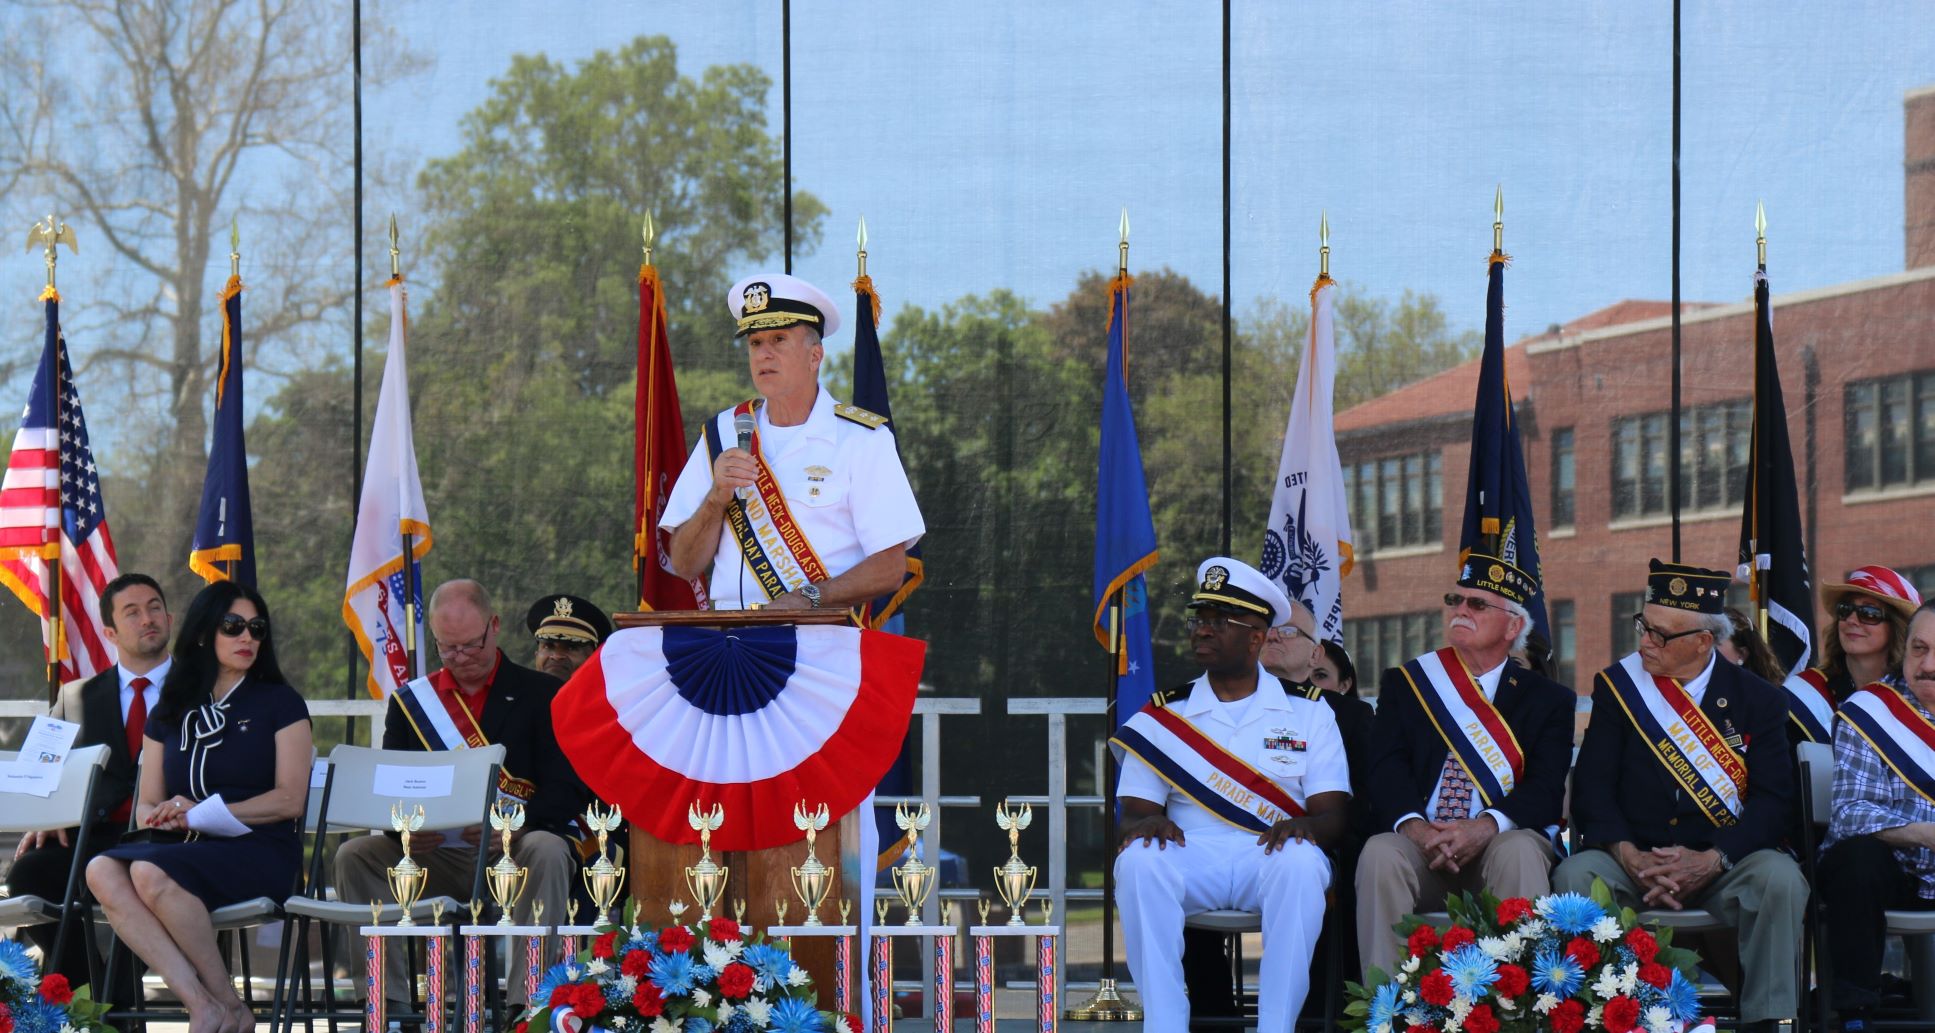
(1323, 244)
(861, 238)
(1760, 232)
(396, 268)
(234, 246)
(1122, 265)
(1498, 220)
(649, 235)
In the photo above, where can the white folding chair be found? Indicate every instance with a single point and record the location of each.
(66, 808)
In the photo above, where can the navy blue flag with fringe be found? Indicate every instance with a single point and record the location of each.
(1773, 555)
(224, 546)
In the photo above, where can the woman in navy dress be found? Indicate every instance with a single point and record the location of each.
(227, 729)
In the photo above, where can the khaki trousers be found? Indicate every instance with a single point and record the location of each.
(361, 878)
(1393, 880)
(1763, 898)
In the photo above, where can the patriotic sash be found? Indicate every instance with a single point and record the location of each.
(1197, 767)
(776, 550)
(1683, 737)
(1897, 731)
(451, 726)
(1810, 703)
(1469, 724)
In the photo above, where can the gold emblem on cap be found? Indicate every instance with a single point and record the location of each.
(561, 608)
(1496, 573)
(757, 297)
(1677, 586)
(1214, 578)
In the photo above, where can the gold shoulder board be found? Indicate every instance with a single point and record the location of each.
(869, 420)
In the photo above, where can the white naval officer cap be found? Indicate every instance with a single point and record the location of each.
(768, 301)
(1226, 582)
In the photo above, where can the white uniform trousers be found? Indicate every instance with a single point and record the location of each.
(1220, 868)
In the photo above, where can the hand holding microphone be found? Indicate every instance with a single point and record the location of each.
(735, 467)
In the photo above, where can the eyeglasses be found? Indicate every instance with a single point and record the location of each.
(1656, 636)
(462, 649)
(1471, 602)
(234, 624)
(1217, 623)
(1867, 613)
(1288, 632)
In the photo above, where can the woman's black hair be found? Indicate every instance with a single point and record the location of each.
(191, 678)
(1340, 659)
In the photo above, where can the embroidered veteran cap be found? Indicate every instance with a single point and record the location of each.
(1883, 584)
(1235, 585)
(768, 301)
(567, 618)
(1494, 575)
(1686, 587)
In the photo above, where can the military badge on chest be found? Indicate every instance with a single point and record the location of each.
(1284, 750)
(816, 476)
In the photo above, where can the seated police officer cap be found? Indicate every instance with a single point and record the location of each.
(768, 301)
(1235, 585)
(567, 618)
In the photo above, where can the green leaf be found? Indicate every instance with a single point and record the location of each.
(1602, 894)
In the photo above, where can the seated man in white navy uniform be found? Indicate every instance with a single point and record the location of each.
(792, 499)
(1231, 791)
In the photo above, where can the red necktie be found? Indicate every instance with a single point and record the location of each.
(137, 721)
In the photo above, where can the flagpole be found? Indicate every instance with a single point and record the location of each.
(410, 586)
(1492, 541)
(647, 234)
(52, 235)
(234, 273)
(1755, 579)
(1673, 419)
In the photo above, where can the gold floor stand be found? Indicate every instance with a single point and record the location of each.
(1106, 1006)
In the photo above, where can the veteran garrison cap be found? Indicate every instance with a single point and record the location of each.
(1500, 578)
(768, 301)
(1235, 585)
(1686, 587)
(567, 618)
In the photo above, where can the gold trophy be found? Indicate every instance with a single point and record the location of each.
(603, 880)
(706, 880)
(812, 879)
(1015, 881)
(406, 879)
(505, 878)
(913, 880)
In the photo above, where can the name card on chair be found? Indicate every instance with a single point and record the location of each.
(403, 780)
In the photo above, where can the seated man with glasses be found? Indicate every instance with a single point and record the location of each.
(1686, 784)
(1469, 753)
(1232, 789)
(477, 698)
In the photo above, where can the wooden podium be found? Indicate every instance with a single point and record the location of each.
(656, 868)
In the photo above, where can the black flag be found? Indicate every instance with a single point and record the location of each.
(1773, 556)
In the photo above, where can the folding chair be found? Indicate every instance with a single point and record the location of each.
(1236, 924)
(68, 807)
(351, 804)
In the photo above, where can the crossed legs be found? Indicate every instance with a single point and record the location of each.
(169, 928)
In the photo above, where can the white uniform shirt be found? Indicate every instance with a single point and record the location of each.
(1272, 715)
(842, 480)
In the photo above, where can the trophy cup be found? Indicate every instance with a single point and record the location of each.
(706, 880)
(913, 880)
(1013, 879)
(812, 879)
(603, 880)
(406, 879)
(505, 878)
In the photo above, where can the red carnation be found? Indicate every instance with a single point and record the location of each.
(1568, 1017)
(1481, 1020)
(1416, 1028)
(1423, 940)
(55, 989)
(522, 1027)
(853, 1023)
(648, 1000)
(1512, 981)
(587, 1000)
(1435, 988)
(736, 981)
(1457, 936)
(1513, 909)
(6, 1020)
(1582, 951)
(636, 964)
(1620, 1015)
(604, 946)
(1656, 975)
(723, 929)
(675, 939)
(1644, 946)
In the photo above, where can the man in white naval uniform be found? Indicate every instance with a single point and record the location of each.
(1231, 790)
(813, 508)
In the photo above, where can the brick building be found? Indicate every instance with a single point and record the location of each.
(1857, 365)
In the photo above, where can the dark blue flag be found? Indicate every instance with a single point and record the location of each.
(1498, 501)
(1773, 554)
(224, 547)
(1125, 534)
(870, 393)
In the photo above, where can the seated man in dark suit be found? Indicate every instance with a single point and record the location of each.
(478, 698)
(1686, 788)
(1469, 754)
(112, 709)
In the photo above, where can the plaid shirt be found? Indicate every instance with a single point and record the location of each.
(1870, 797)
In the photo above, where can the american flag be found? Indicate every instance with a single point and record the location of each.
(51, 474)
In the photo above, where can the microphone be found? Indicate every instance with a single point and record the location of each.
(743, 423)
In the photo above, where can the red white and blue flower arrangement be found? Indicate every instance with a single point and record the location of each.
(1562, 963)
(33, 1003)
(706, 978)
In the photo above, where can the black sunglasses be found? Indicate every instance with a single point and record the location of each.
(233, 624)
(1868, 613)
(1470, 602)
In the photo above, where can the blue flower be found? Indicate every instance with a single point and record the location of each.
(15, 965)
(35, 1015)
(793, 1015)
(1556, 973)
(1570, 912)
(1472, 971)
(647, 942)
(694, 1024)
(739, 1023)
(554, 977)
(1384, 1009)
(768, 962)
(673, 973)
(1681, 998)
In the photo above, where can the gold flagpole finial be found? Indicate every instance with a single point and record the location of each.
(1323, 244)
(234, 246)
(1498, 220)
(1760, 232)
(862, 238)
(650, 234)
(1122, 263)
(396, 268)
(47, 235)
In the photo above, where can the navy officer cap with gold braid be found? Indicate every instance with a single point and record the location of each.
(768, 301)
(1497, 576)
(1686, 587)
(1235, 585)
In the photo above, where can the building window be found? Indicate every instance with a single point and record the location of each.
(1713, 459)
(1378, 643)
(1890, 432)
(1565, 640)
(1562, 477)
(1625, 638)
(1923, 578)
(1396, 501)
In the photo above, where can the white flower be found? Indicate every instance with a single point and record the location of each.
(1606, 930)
(665, 1025)
(1497, 948)
(1532, 929)
(1411, 964)
(758, 1011)
(1409, 997)
(1629, 980)
(1592, 1016)
(620, 1022)
(627, 985)
(68, 1027)
(1545, 1004)
(796, 976)
(1460, 1007)
(716, 954)
(701, 998)
(1658, 1019)
(571, 972)
(726, 1012)
(1607, 985)
(597, 967)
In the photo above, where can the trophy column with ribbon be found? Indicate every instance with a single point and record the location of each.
(813, 880)
(604, 882)
(1015, 881)
(914, 882)
(506, 881)
(406, 881)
